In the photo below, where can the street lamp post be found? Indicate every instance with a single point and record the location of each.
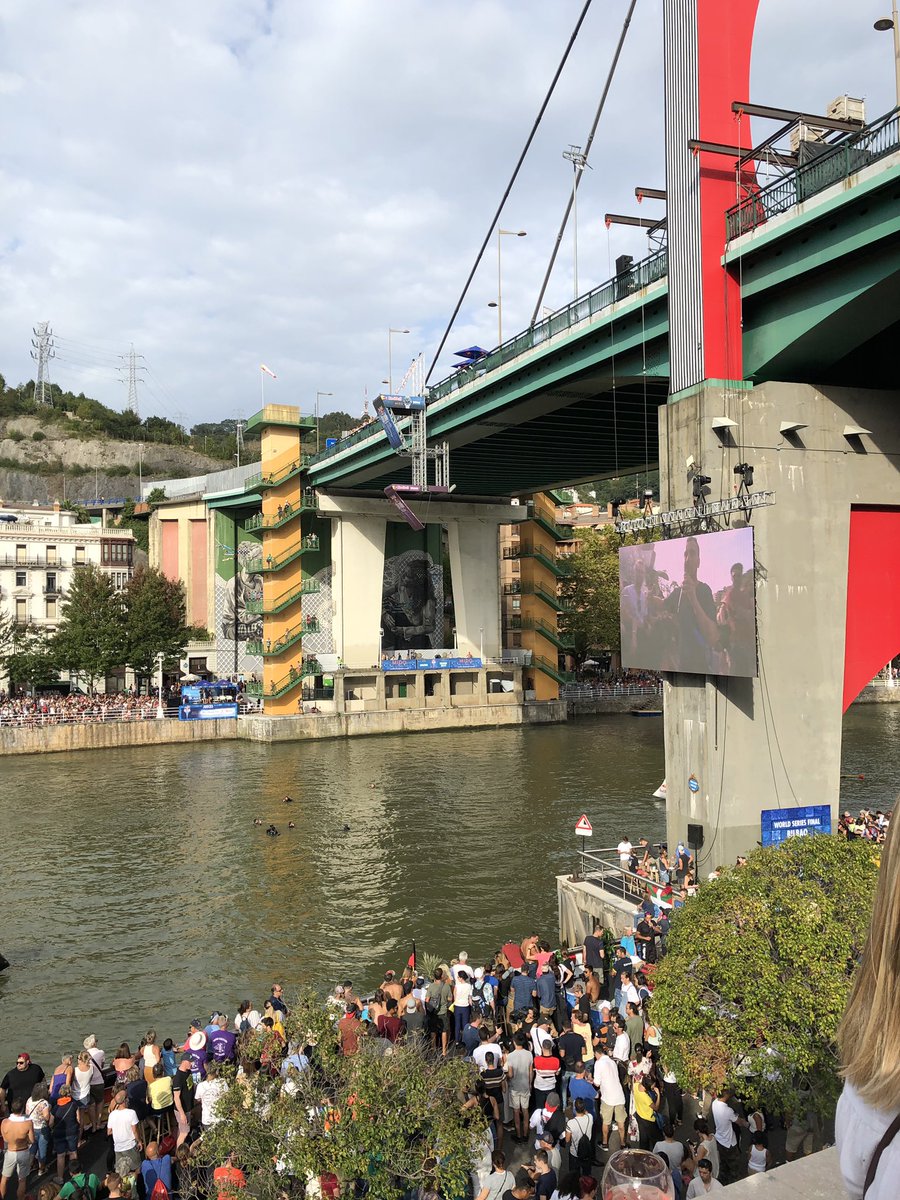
(578, 159)
(498, 304)
(160, 711)
(390, 378)
(883, 25)
(318, 394)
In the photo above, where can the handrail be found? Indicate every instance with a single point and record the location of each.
(309, 541)
(649, 270)
(258, 607)
(841, 160)
(309, 502)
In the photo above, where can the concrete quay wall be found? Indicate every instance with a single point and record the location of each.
(613, 704)
(407, 720)
(49, 739)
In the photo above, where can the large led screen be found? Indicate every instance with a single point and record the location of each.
(689, 604)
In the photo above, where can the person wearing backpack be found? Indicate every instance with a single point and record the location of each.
(580, 1137)
(156, 1174)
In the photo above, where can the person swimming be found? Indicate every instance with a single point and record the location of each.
(272, 831)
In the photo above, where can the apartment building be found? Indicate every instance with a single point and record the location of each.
(40, 548)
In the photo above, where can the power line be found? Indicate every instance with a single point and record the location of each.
(583, 158)
(512, 180)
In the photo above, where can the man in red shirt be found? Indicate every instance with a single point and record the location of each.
(546, 1072)
(389, 1025)
(229, 1179)
(349, 1029)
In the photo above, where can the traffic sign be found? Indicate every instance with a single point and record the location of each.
(583, 827)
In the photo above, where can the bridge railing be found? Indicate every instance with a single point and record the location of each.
(842, 160)
(640, 275)
(643, 273)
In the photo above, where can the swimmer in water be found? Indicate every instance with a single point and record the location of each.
(272, 831)
(291, 825)
(288, 800)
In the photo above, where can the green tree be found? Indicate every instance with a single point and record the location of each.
(90, 640)
(30, 659)
(155, 613)
(591, 589)
(758, 970)
(395, 1121)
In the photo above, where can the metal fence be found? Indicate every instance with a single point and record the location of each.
(839, 162)
(581, 691)
(111, 716)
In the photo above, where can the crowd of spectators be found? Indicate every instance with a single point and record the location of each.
(868, 825)
(79, 708)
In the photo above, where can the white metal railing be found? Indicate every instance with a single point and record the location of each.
(576, 691)
(104, 716)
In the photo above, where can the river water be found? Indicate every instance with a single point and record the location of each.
(138, 892)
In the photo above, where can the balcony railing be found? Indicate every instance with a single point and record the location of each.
(268, 608)
(290, 637)
(834, 165)
(267, 479)
(309, 541)
(525, 550)
(287, 512)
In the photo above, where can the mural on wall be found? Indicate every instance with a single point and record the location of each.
(318, 607)
(233, 620)
(412, 597)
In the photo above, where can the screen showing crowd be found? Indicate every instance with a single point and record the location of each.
(689, 604)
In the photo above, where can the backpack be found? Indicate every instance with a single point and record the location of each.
(583, 1149)
(159, 1190)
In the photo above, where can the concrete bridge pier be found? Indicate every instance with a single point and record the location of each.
(368, 531)
(774, 741)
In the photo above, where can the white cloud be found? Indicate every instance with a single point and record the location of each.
(233, 181)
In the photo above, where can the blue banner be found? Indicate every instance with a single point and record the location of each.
(206, 712)
(779, 824)
(430, 664)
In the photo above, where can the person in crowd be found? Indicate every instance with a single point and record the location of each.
(64, 1121)
(500, 1181)
(725, 1120)
(704, 1183)
(19, 1082)
(17, 1132)
(122, 1125)
(37, 1109)
(867, 1122)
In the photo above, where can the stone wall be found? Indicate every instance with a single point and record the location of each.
(259, 728)
(51, 738)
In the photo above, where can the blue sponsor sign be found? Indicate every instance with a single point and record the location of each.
(206, 712)
(779, 824)
(430, 664)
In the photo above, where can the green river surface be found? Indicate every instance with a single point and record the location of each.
(138, 892)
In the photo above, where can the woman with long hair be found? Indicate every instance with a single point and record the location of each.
(867, 1125)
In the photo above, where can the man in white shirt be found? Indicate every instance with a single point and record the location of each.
(612, 1095)
(462, 964)
(624, 850)
(725, 1119)
(122, 1123)
(209, 1092)
(479, 1054)
(704, 1183)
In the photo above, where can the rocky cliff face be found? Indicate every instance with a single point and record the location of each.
(57, 464)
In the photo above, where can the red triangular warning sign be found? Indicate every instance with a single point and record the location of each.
(584, 826)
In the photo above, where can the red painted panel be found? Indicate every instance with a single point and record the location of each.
(169, 556)
(197, 614)
(873, 596)
(725, 40)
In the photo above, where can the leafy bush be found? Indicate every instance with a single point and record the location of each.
(37, 436)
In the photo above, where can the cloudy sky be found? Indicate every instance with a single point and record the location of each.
(229, 182)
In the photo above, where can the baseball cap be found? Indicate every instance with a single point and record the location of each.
(196, 1023)
(410, 1006)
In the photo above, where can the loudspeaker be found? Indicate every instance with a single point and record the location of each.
(695, 835)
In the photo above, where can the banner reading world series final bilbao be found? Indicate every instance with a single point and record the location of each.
(430, 664)
(779, 824)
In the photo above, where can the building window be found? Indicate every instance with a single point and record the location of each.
(21, 554)
(79, 556)
(516, 566)
(50, 585)
(517, 603)
(21, 579)
(51, 608)
(517, 641)
(21, 612)
(51, 556)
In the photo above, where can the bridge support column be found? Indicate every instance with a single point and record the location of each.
(357, 571)
(775, 741)
(475, 573)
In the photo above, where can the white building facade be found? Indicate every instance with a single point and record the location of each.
(41, 547)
